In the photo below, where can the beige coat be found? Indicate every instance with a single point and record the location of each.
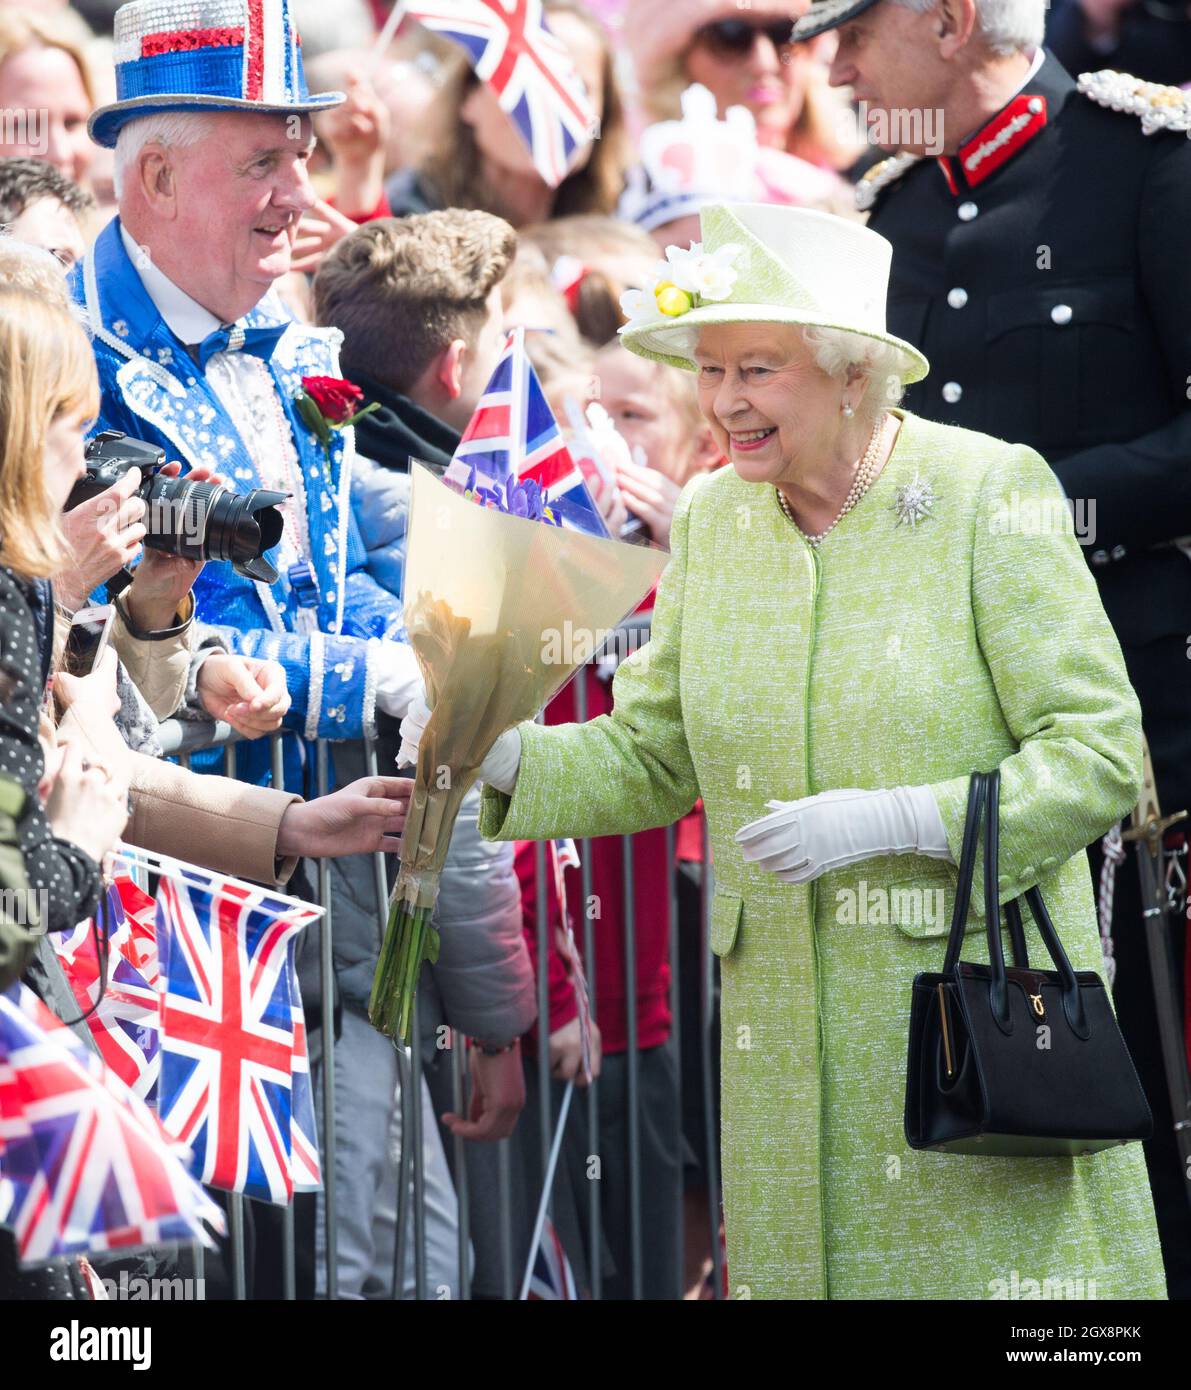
(217, 822)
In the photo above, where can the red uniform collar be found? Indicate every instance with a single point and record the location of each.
(995, 144)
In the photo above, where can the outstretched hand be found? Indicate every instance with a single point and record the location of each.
(246, 691)
(363, 817)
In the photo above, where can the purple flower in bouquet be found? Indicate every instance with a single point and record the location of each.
(515, 497)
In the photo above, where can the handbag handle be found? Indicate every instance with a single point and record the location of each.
(977, 790)
(999, 986)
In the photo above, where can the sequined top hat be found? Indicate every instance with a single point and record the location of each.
(205, 55)
(761, 263)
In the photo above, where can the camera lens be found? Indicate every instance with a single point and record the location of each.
(204, 521)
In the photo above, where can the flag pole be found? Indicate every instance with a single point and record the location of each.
(381, 42)
(551, 1165)
(176, 868)
(519, 398)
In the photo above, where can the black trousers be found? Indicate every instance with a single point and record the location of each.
(1133, 995)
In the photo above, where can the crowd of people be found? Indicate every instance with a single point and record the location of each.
(202, 212)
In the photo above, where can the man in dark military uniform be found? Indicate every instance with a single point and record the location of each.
(1041, 232)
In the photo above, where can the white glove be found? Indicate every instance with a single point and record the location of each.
(499, 769)
(398, 678)
(802, 839)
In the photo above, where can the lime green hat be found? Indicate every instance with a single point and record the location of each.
(765, 263)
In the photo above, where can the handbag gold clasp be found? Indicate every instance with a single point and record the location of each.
(1036, 1001)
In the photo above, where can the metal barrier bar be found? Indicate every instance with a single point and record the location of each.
(542, 927)
(327, 1005)
(403, 1167)
(706, 1002)
(459, 1102)
(181, 739)
(594, 1212)
(417, 1140)
(380, 878)
(506, 1220)
(671, 852)
(289, 1279)
(633, 1092)
(235, 1201)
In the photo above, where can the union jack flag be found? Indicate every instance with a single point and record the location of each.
(84, 1164)
(552, 1279)
(530, 71)
(305, 1167)
(126, 1022)
(513, 431)
(228, 1030)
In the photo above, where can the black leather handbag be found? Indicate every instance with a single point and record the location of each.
(1015, 1061)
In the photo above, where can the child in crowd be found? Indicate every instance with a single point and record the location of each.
(41, 206)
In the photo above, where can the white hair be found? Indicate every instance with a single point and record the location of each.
(173, 129)
(1007, 26)
(843, 355)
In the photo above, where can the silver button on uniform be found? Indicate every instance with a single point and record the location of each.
(957, 298)
(952, 391)
(966, 211)
(1061, 314)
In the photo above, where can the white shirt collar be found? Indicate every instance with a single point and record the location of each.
(186, 319)
(1038, 60)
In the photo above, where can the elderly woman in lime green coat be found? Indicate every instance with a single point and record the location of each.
(946, 621)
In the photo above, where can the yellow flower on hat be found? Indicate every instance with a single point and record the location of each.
(671, 300)
(686, 279)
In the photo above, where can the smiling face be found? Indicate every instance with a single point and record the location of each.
(43, 87)
(768, 78)
(770, 406)
(220, 216)
(634, 391)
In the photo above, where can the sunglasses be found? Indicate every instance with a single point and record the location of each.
(734, 38)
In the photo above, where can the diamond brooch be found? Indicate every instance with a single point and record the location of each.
(913, 502)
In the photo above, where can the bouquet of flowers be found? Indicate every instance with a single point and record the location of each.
(490, 584)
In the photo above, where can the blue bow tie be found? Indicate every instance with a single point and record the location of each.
(233, 338)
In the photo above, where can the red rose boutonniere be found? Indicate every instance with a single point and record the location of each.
(327, 403)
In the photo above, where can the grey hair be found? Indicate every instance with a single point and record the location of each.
(841, 354)
(1007, 26)
(173, 129)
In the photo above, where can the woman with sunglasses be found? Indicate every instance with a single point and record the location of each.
(744, 57)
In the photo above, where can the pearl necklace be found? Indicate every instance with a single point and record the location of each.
(860, 485)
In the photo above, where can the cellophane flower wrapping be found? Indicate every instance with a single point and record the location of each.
(492, 601)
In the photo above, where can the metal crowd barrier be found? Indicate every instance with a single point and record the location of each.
(181, 740)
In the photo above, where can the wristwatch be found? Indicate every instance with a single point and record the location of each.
(491, 1049)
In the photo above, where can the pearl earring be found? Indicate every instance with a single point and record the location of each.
(848, 411)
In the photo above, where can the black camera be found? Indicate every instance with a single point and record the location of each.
(198, 521)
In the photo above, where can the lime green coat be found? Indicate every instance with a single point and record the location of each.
(896, 655)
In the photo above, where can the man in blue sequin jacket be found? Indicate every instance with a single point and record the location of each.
(197, 354)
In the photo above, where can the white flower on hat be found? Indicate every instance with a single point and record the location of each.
(707, 274)
(640, 306)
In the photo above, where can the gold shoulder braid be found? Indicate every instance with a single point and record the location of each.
(881, 176)
(1160, 107)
